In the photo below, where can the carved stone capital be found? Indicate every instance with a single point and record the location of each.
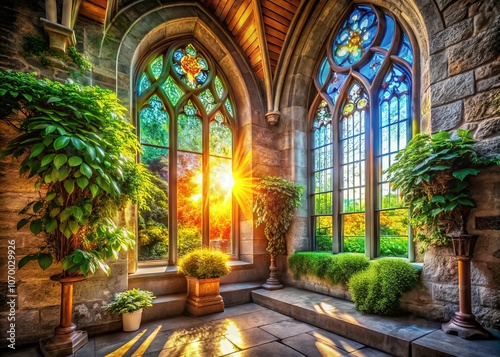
(60, 37)
(273, 117)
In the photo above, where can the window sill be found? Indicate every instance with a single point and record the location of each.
(161, 268)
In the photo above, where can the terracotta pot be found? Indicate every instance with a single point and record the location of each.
(203, 296)
(132, 320)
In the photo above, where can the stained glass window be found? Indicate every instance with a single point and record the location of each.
(183, 135)
(357, 129)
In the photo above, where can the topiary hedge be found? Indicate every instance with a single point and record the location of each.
(378, 288)
(336, 268)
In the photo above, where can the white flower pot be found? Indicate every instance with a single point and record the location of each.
(132, 320)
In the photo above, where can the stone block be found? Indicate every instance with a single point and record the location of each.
(447, 117)
(49, 317)
(38, 294)
(487, 129)
(28, 322)
(489, 83)
(489, 297)
(452, 89)
(456, 12)
(486, 15)
(438, 67)
(439, 267)
(475, 51)
(491, 222)
(445, 292)
(451, 35)
(482, 106)
(488, 147)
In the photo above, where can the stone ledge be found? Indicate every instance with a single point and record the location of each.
(394, 335)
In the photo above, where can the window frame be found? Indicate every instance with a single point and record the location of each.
(138, 102)
(372, 126)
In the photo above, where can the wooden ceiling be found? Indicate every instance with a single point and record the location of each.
(243, 18)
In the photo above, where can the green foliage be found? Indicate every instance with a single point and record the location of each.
(379, 288)
(389, 246)
(82, 63)
(204, 263)
(34, 45)
(337, 268)
(433, 175)
(130, 301)
(80, 150)
(275, 203)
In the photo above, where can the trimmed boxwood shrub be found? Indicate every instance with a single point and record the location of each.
(378, 289)
(336, 268)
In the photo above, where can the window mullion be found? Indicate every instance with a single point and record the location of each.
(172, 190)
(370, 190)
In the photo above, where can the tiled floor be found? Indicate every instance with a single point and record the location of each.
(243, 330)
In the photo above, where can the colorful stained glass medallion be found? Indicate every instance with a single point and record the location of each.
(370, 69)
(219, 87)
(172, 90)
(405, 50)
(335, 86)
(357, 99)
(324, 70)
(144, 83)
(207, 99)
(355, 36)
(156, 66)
(191, 67)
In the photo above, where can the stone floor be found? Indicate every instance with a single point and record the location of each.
(243, 330)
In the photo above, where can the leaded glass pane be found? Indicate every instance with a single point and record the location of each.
(156, 66)
(172, 90)
(189, 202)
(370, 69)
(323, 72)
(207, 99)
(353, 232)
(394, 233)
(221, 138)
(219, 87)
(388, 32)
(220, 200)
(153, 223)
(355, 36)
(405, 50)
(324, 233)
(153, 123)
(190, 66)
(335, 86)
(144, 83)
(323, 116)
(189, 129)
(229, 107)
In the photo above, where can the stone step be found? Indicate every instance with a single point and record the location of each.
(164, 283)
(393, 335)
(238, 293)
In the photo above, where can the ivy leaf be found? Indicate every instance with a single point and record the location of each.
(53, 99)
(44, 260)
(73, 226)
(61, 142)
(86, 170)
(94, 189)
(50, 196)
(50, 129)
(25, 260)
(74, 161)
(47, 159)
(69, 186)
(37, 206)
(36, 226)
(28, 97)
(22, 223)
(438, 198)
(80, 145)
(463, 173)
(51, 224)
(82, 182)
(54, 212)
(37, 149)
(60, 160)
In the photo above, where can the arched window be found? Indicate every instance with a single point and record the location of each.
(361, 118)
(186, 126)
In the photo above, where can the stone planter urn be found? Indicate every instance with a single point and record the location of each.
(204, 296)
(132, 320)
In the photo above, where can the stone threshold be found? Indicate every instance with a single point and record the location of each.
(405, 336)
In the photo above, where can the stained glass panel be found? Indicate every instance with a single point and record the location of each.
(221, 138)
(388, 32)
(229, 107)
(324, 70)
(207, 99)
(189, 129)
(144, 83)
(172, 90)
(355, 36)
(191, 67)
(153, 123)
(333, 89)
(156, 66)
(370, 69)
(405, 50)
(219, 87)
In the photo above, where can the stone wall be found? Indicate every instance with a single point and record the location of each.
(459, 59)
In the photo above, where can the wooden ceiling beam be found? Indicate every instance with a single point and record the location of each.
(266, 65)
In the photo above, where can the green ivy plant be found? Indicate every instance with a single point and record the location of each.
(433, 175)
(77, 145)
(274, 206)
(83, 63)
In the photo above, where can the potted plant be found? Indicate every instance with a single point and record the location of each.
(130, 304)
(79, 150)
(274, 206)
(433, 175)
(203, 268)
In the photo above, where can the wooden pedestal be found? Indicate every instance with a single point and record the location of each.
(204, 296)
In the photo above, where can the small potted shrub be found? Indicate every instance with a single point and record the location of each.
(130, 304)
(203, 269)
